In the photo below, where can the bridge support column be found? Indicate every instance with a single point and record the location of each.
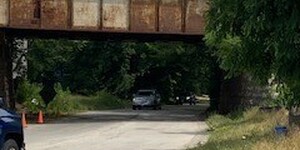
(240, 92)
(6, 81)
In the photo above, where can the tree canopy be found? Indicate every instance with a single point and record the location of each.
(258, 37)
(121, 67)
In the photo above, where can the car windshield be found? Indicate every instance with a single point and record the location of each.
(145, 93)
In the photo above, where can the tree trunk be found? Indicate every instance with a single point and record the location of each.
(239, 93)
(215, 87)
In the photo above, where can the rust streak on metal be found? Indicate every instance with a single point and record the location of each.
(115, 15)
(22, 13)
(101, 15)
(195, 21)
(129, 13)
(54, 14)
(8, 9)
(86, 14)
(183, 15)
(70, 14)
(143, 15)
(170, 16)
(157, 11)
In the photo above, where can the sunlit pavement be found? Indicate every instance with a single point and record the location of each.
(173, 128)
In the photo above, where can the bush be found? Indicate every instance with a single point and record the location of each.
(285, 98)
(28, 95)
(63, 103)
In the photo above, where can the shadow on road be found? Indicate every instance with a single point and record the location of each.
(174, 113)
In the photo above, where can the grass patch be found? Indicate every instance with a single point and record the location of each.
(252, 129)
(102, 101)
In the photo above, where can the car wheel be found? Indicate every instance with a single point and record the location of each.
(10, 145)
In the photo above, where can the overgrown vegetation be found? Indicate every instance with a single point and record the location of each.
(252, 129)
(117, 67)
(282, 97)
(121, 67)
(260, 38)
(28, 95)
(64, 102)
(69, 104)
(102, 100)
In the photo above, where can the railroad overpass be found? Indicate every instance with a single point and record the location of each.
(146, 20)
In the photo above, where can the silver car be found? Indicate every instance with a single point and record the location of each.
(146, 98)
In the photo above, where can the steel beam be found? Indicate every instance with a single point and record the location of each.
(6, 84)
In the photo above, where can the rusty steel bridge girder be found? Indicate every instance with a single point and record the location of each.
(126, 16)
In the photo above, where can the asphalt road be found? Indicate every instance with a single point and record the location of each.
(173, 128)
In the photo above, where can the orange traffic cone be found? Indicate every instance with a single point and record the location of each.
(40, 118)
(24, 122)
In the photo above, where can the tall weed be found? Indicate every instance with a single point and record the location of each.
(29, 95)
(63, 103)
